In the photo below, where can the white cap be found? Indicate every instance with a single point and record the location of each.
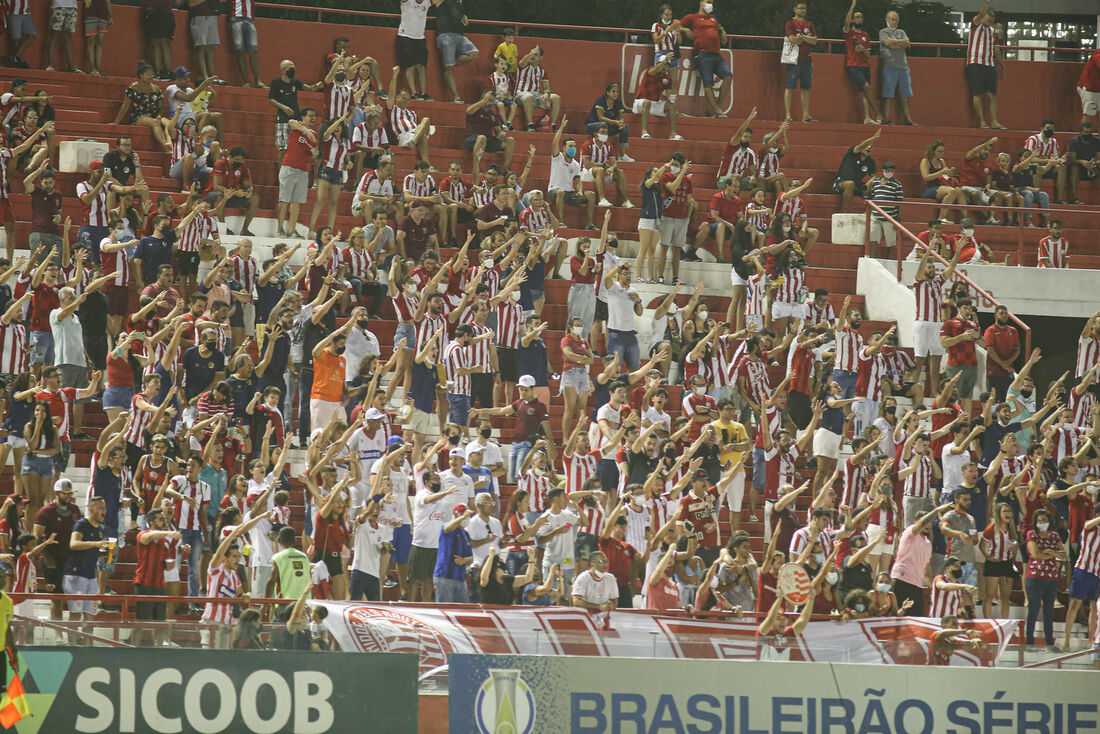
(457, 451)
(526, 381)
(374, 414)
(63, 485)
(474, 447)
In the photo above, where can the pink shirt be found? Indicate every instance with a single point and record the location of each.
(914, 553)
(664, 596)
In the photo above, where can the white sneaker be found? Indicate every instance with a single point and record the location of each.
(627, 204)
(604, 202)
(626, 159)
(645, 136)
(677, 137)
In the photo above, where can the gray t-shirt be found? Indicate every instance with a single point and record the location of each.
(895, 58)
(68, 339)
(387, 237)
(743, 593)
(964, 524)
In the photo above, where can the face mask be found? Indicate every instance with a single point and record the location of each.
(570, 151)
(968, 232)
(602, 137)
(744, 144)
(441, 288)
(341, 76)
(956, 573)
(699, 391)
(786, 228)
(486, 432)
(539, 471)
(860, 607)
(702, 314)
(670, 454)
(1047, 133)
(339, 350)
(363, 323)
(891, 409)
(856, 323)
(515, 296)
(453, 440)
(674, 169)
(1042, 526)
(819, 558)
(211, 345)
(708, 8)
(487, 262)
(1026, 393)
(235, 165)
(290, 72)
(887, 174)
(832, 578)
(578, 330)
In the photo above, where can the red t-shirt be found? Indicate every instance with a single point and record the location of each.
(60, 407)
(855, 38)
(728, 209)
(1090, 75)
(298, 147)
(705, 29)
(652, 86)
(619, 556)
(975, 172)
(703, 514)
(1005, 341)
(962, 353)
(150, 563)
(796, 27)
(677, 200)
(330, 536)
(575, 268)
(43, 301)
(231, 178)
(576, 346)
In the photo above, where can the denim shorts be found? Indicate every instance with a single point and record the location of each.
(800, 74)
(243, 31)
(858, 75)
(459, 412)
(118, 397)
(406, 332)
(709, 63)
(453, 45)
(896, 83)
(331, 175)
(36, 464)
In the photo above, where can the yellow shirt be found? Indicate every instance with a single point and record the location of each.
(732, 432)
(7, 611)
(510, 52)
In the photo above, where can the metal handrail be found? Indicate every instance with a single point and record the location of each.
(920, 245)
(626, 32)
(1060, 659)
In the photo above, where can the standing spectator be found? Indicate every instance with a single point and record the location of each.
(454, 557)
(191, 516)
(708, 36)
(1047, 154)
(623, 304)
(1044, 551)
(290, 575)
(242, 29)
(802, 34)
(1054, 249)
(676, 190)
(958, 336)
(63, 24)
(896, 81)
(928, 291)
(152, 547)
(21, 32)
(565, 173)
(204, 33)
(1088, 88)
(1002, 348)
(983, 61)
(666, 42)
(86, 544)
(46, 203)
(411, 48)
(159, 24)
(1083, 159)
(856, 165)
(911, 565)
(58, 519)
(283, 96)
(533, 89)
(858, 62)
(454, 47)
(294, 172)
(886, 191)
(97, 19)
(608, 109)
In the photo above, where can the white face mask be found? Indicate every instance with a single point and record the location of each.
(1042, 526)
(487, 262)
(410, 288)
(832, 578)
(515, 296)
(674, 169)
(702, 314)
(786, 228)
(708, 8)
(883, 588)
(887, 174)
(539, 471)
(700, 391)
(968, 232)
(819, 558)
(578, 330)
(773, 149)
(602, 137)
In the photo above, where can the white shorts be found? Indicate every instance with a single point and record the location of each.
(248, 313)
(587, 177)
(648, 225)
(405, 139)
(926, 339)
(421, 422)
(16, 442)
(827, 443)
(673, 232)
(172, 575)
(782, 310)
(25, 609)
(883, 548)
(322, 411)
(81, 585)
(735, 492)
(655, 107)
(736, 279)
(883, 230)
(1090, 101)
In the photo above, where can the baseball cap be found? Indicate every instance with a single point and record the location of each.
(700, 474)
(456, 451)
(459, 509)
(394, 440)
(374, 414)
(63, 485)
(18, 83)
(95, 165)
(888, 164)
(474, 448)
(181, 71)
(526, 381)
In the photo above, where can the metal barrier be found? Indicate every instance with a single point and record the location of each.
(902, 230)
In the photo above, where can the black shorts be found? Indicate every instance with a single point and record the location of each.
(236, 314)
(858, 191)
(981, 79)
(411, 51)
(492, 145)
(333, 563)
(465, 215)
(152, 610)
(572, 198)
(187, 263)
(601, 311)
(508, 362)
(859, 76)
(159, 24)
(55, 577)
(422, 562)
(331, 175)
(1000, 569)
(97, 352)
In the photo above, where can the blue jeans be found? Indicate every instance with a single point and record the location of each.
(43, 347)
(759, 469)
(364, 586)
(608, 473)
(192, 538)
(625, 343)
(520, 449)
(1040, 591)
(708, 64)
(1038, 198)
(450, 591)
(90, 237)
(847, 381)
(515, 563)
(305, 385)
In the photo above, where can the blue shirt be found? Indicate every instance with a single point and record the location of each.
(108, 485)
(244, 389)
(424, 379)
(452, 545)
(531, 360)
(280, 359)
(217, 479)
(83, 563)
(477, 474)
(154, 252)
(199, 371)
(267, 296)
(652, 203)
(19, 413)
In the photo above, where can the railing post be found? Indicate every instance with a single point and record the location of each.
(1019, 238)
(867, 230)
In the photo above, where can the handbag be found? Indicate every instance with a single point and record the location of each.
(789, 54)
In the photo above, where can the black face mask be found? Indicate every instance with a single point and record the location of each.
(363, 323)
(338, 350)
(1047, 133)
(211, 345)
(486, 432)
(341, 77)
(453, 440)
(290, 73)
(891, 409)
(956, 573)
(857, 26)
(1026, 393)
(435, 487)
(744, 144)
(235, 165)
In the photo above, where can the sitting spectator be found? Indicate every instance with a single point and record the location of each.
(411, 131)
(1048, 153)
(191, 158)
(1054, 249)
(143, 104)
(503, 84)
(1082, 159)
(971, 250)
(565, 178)
(940, 183)
(185, 101)
(417, 232)
(976, 178)
(600, 167)
(420, 189)
(1025, 174)
(1004, 188)
(533, 89)
(739, 159)
(725, 209)
(655, 96)
(369, 141)
(608, 110)
(230, 187)
(376, 191)
(485, 130)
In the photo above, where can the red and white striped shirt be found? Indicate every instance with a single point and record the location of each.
(484, 196)
(20, 7)
(456, 188)
(738, 161)
(754, 303)
(334, 151)
(26, 577)
(188, 517)
(13, 343)
(1065, 441)
(793, 205)
(754, 215)
(405, 306)
(455, 358)
(769, 164)
(139, 422)
(204, 226)
(944, 602)
(509, 324)
(982, 42)
(403, 120)
(368, 137)
(181, 146)
(115, 263)
(223, 583)
(793, 287)
(95, 213)
(1047, 147)
(802, 536)
(534, 220)
(245, 272)
(517, 526)
(339, 100)
(413, 187)
(1089, 560)
(530, 79)
(919, 483)
(1088, 354)
(428, 326)
(536, 488)
(578, 468)
(848, 344)
(929, 295)
(592, 518)
(479, 353)
(242, 9)
(596, 152)
(855, 476)
(668, 41)
(1082, 406)
(1054, 252)
(824, 315)
(358, 262)
(1000, 545)
(5, 157)
(501, 84)
(872, 368)
(755, 372)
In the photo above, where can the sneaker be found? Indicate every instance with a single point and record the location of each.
(691, 258)
(677, 137)
(530, 128)
(82, 436)
(195, 609)
(753, 517)
(660, 280)
(628, 204)
(381, 94)
(645, 136)
(603, 202)
(389, 583)
(624, 158)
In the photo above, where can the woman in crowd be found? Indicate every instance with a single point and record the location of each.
(1045, 553)
(1000, 543)
(577, 358)
(143, 104)
(648, 224)
(42, 444)
(940, 183)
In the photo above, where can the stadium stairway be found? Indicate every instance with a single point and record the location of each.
(86, 107)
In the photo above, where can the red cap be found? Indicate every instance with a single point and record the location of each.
(95, 165)
(460, 509)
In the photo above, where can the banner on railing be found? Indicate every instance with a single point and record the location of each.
(435, 633)
(213, 691)
(543, 695)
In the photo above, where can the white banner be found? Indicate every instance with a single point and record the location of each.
(436, 632)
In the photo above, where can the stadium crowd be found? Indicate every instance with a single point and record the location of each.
(212, 365)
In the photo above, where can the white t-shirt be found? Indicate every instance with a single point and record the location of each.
(463, 483)
(952, 469)
(562, 172)
(414, 16)
(490, 452)
(659, 326)
(652, 415)
(596, 591)
(262, 547)
(620, 307)
(559, 549)
(479, 529)
(368, 449)
(361, 343)
(368, 549)
(427, 519)
(170, 95)
(396, 513)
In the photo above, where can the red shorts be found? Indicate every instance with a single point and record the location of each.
(6, 214)
(119, 298)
